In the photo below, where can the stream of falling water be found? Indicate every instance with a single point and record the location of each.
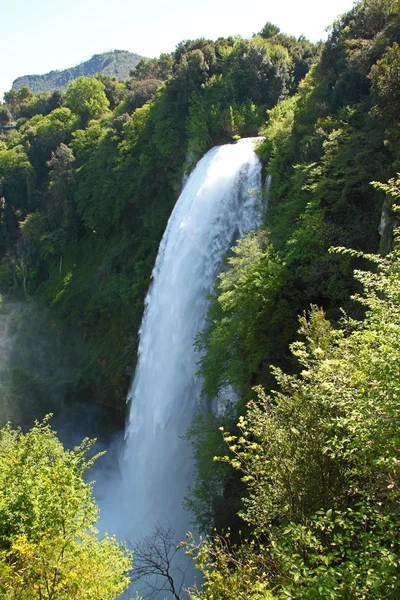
(218, 205)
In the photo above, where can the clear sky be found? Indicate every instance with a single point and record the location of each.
(41, 35)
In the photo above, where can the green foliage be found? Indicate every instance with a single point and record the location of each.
(121, 212)
(279, 127)
(236, 81)
(87, 99)
(5, 115)
(322, 147)
(321, 162)
(358, 39)
(207, 499)
(215, 115)
(320, 457)
(46, 366)
(6, 278)
(91, 220)
(19, 100)
(41, 136)
(386, 83)
(303, 53)
(236, 338)
(48, 545)
(113, 89)
(252, 320)
(229, 572)
(99, 290)
(255, 74)
(332, 130)
(155, 68)
(24, 105)
(16, 182)
(385, 80)
(61, 191)
(91, 232)
(85, 142)
(48, 234)
(138, 92)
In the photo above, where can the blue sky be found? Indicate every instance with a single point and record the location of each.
(41, 35)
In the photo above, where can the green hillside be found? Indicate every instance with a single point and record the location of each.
(296, 485)
(116, 63)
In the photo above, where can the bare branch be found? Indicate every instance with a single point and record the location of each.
(156, 564)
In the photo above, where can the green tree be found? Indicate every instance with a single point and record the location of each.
(228, 572)
(156, 68)
(113, 89)
(63, 221)
(320, 462)
(5, 115)
(139, 92)
(319, 457)
(44, 134)
(236, 335)
(302, 52)
(49, 549)
(18, 100)
(16, 184)
(48, 233)
(385, 77)
(86, 98)
(269, 30)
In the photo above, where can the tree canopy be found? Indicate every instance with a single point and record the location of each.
(88, 179)
(86, 98)
(49, 549)
(319, 459)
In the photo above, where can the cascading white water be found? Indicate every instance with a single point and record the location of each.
(216, 207)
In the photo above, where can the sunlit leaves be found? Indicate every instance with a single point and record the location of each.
(49, 549)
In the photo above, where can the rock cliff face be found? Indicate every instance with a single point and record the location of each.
(116, 63)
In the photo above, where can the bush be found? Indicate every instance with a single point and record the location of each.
(49, 547)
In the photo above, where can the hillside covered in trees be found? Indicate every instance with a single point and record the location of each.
(94, 173)
(297, 483)
(117, 63)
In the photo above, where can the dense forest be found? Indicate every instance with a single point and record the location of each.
(297, 483)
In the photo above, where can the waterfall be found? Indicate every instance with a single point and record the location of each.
(216, 207)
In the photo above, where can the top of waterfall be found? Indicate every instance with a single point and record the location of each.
(250, 139)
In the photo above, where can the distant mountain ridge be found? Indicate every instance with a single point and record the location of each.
(116, 63)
